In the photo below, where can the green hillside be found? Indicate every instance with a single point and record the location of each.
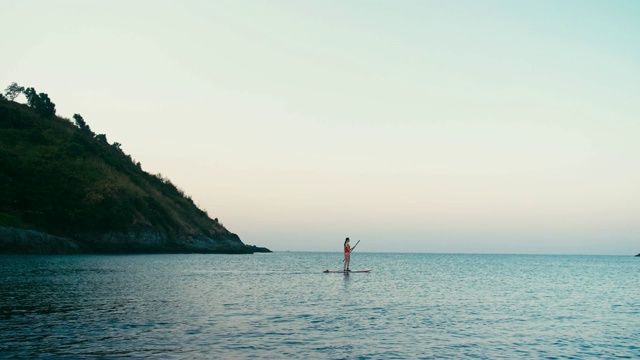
(57, 177)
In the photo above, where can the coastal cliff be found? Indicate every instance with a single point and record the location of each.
(65, 189)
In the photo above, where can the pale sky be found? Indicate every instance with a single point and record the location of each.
(414, 126)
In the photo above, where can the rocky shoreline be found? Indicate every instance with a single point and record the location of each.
(136, 241)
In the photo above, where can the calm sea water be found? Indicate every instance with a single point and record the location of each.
(281, 305)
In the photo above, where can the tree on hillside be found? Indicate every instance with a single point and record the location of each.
(79, 121)
(82, 125)
(40, 102)
(12, 91)
(32, 97)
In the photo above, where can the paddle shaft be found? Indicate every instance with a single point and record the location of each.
(354, 246)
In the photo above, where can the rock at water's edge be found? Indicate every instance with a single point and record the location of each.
(140, 241)
(20, 241)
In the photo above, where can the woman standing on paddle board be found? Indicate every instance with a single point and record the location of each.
(347, 254)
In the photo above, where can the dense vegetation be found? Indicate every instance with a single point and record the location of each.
(58, 177)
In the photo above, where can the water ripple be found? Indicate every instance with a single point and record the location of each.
(264, 306)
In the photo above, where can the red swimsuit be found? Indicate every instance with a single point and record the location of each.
(346, 250)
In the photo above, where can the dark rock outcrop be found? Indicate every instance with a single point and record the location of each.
(141, 240)
(19, 241)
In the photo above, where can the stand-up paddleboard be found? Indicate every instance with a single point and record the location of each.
(347, 272)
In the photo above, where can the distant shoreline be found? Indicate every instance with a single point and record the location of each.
(447, 253)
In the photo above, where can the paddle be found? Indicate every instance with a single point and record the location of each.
(354, 246)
